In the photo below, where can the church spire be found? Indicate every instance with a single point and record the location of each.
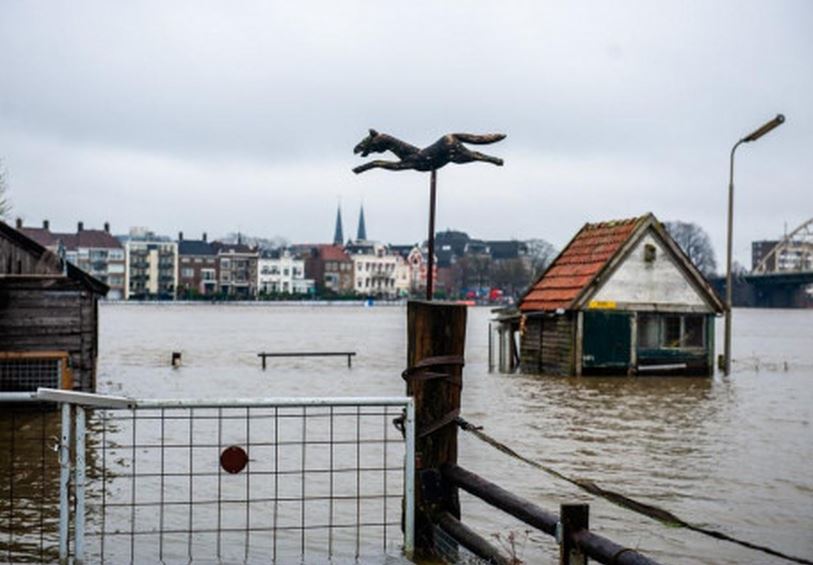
(338, 234)
(362, 231)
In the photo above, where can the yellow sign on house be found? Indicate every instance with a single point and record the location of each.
(602, 305)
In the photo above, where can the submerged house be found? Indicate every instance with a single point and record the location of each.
(622, 298)
(48, 318)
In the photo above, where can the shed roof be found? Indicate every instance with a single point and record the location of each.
(592, 252)
(578, 264)
(38, 250)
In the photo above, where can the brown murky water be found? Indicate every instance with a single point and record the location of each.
(732, 454)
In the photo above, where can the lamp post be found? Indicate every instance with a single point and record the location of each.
(753, 136)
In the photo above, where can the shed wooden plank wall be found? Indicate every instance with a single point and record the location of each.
(530, 346)
(558, 336)
(51, 314)
(17, 261)
(547, 346)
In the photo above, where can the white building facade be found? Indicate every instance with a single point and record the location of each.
(282, 272)
(376, 270)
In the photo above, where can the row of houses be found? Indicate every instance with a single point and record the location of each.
(142, 265)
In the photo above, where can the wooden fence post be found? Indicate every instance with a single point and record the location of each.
(435, 347)
(573, 518)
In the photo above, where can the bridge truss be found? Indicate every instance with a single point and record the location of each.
(793, 254)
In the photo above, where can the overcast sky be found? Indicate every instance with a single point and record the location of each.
(243, 115)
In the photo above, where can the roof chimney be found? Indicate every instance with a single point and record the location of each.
(80, 226)
(180, 236)
(204, 236)
(107, 227)
(19, 223)
(46, 225)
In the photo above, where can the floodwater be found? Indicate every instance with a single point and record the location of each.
(732, 454)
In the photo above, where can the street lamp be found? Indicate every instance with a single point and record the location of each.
(753, 136)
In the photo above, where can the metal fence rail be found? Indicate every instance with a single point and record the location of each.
(235, 480)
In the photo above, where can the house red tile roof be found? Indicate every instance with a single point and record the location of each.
(94, 238)
(333, 253)
(73, 241)
(40, 235)
(578, 264)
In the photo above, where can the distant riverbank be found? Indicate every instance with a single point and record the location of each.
(260, 303)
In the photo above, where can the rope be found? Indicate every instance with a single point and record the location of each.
(659, 514)
(423, 371)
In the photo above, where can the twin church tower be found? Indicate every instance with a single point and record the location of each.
(338, 234)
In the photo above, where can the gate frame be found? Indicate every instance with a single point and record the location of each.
(81, 400)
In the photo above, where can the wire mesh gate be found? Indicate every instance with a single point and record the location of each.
(234, 480)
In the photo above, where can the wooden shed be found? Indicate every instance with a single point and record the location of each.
(621, 298)
(48, 318)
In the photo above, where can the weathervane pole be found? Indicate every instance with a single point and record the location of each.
(430, 269)
(448, 149)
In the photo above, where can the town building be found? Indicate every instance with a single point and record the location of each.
(96, 252)
(237, 268)
(330, 268)
(374, 269)
(151, 266)
(48, 318)
(411, 272)
(197, 267)
(279, 271)
(621, 298)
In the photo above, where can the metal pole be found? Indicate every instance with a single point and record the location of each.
(728, 282)
(430, 271)
(409, 480)
(79, 520)
(64, 481)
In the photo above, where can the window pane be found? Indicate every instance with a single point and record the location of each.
(648, 332)
(671, 331)
(693, 331)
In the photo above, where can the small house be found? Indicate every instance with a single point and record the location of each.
(48, 318)
(621, 298)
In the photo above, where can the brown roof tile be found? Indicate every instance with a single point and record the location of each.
(578, 264)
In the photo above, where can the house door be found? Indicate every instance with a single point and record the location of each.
(607, 340)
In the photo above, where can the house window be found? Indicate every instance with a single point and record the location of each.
(648, 332)
(671, 331)
(188, 272)
(693, 331)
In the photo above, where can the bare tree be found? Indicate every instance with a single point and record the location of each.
(510, 275)
(695, 243)
(5, 204)
(541, 254)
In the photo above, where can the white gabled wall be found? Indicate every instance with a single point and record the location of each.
(659, 283)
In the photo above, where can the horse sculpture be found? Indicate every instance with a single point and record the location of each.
(447, 149)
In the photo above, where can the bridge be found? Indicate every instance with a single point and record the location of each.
(782, 277)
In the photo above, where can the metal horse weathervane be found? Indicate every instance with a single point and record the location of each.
(448, 149)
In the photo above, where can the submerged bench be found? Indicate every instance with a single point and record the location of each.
(348, 354)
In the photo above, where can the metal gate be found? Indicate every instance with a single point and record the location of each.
(234, 480)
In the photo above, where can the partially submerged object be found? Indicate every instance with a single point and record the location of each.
(622, 298)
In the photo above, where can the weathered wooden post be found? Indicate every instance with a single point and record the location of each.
(573, 518)
(435, 348)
